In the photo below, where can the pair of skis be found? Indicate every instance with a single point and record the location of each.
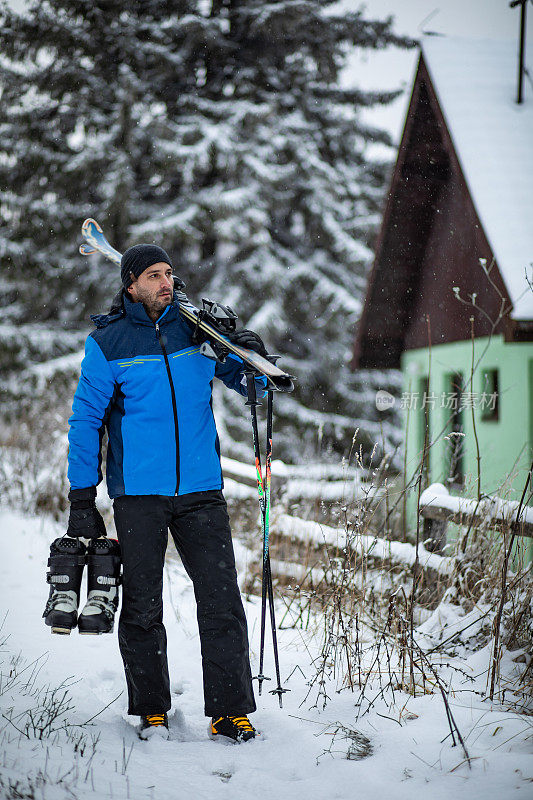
(277, 380)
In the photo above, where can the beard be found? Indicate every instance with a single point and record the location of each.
(154, 302)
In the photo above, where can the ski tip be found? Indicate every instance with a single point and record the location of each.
(87, 250)
(90, 221)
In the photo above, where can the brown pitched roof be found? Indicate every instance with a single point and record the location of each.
(430, 241)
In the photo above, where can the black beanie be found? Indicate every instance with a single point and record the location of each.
(138, 258)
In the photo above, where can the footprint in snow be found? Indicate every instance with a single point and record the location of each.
(183, 731)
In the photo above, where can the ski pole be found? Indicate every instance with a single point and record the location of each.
(266, 553)
(253, 403)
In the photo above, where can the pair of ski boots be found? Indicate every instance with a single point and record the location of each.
(67, 559)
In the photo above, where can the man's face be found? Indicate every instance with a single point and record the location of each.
(154, 287)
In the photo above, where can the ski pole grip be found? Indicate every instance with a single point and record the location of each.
(250, 387)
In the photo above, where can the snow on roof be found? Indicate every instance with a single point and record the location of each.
(476, 85)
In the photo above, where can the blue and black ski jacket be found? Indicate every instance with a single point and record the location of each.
(150, 386)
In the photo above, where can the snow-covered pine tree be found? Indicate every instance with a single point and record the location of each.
(85, 93)
(279, 203)
(219, 130)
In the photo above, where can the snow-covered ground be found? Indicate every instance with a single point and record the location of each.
(411, 752)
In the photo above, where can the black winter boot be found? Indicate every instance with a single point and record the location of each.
(103, 578)
(66, 562)
(239, 729)
(154, 725)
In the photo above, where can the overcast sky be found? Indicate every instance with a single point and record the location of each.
(487, 19)
(490, 19)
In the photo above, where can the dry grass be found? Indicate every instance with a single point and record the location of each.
(344, 591)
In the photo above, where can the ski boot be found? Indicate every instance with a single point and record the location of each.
(66, 562)
(103, 578)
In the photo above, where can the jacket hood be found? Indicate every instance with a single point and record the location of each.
(115, 313)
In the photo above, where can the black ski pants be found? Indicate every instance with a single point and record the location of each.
(199, 525)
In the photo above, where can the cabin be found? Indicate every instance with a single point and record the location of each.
(449, 298)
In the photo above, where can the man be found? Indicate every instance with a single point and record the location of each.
(145, 380)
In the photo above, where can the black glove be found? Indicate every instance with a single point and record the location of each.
(248, 339)
(85, 520)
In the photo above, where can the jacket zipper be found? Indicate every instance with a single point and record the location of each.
(174, 406)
